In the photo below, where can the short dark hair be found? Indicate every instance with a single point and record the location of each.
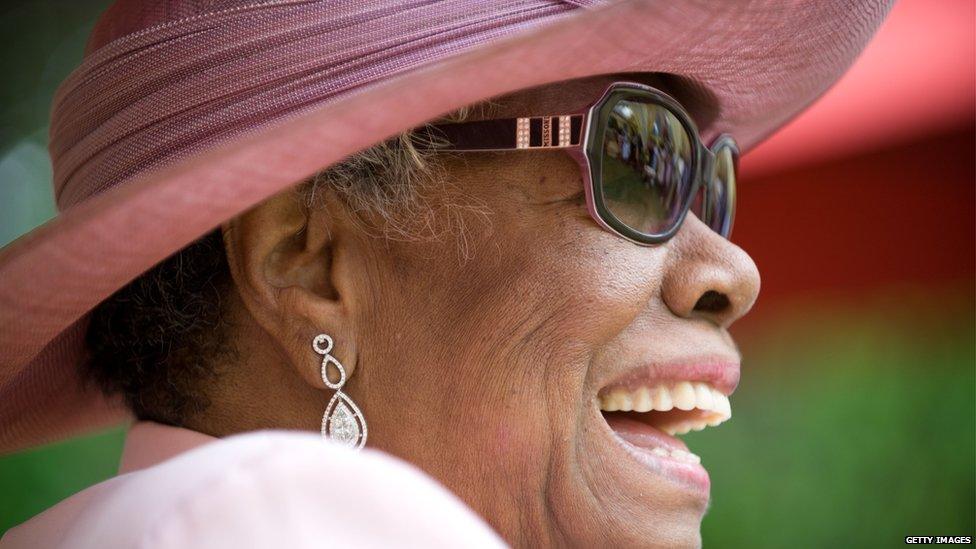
(158, 340)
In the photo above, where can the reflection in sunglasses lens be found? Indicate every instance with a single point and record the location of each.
(647, 166)
(718, 208)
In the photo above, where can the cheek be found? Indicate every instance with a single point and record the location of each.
(622, 280)
(598, 282)
(533, 283)
(540, 270)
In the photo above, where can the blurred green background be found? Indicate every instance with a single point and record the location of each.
(854, 423)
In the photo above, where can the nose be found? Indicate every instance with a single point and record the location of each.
(707, 277)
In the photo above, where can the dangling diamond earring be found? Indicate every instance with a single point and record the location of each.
(342, 421)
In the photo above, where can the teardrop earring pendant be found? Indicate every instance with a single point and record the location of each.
(342, 421)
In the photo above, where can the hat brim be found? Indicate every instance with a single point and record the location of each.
(760, 62)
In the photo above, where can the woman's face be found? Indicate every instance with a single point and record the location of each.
(482, 357)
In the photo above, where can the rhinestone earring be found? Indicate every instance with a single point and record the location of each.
(342, 421)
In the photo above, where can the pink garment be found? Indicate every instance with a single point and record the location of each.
(182, 489)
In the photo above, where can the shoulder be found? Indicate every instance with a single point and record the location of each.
(272, 489)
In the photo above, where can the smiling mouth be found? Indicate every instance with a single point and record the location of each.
(648, 417)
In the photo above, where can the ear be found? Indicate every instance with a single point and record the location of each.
(289, 270)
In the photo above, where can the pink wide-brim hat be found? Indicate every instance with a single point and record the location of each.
(184, 114)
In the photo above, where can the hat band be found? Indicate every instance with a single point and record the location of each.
(154, 96)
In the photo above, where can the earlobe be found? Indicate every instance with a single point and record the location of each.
(282, 259)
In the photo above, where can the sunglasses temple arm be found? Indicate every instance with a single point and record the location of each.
(504, 134)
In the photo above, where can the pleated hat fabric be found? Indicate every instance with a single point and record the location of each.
(186, 113)
(228, 67)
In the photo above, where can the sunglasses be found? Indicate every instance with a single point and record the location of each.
(643, 163)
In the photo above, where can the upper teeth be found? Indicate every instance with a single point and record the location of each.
(683, 395)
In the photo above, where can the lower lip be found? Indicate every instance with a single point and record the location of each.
(638, 439)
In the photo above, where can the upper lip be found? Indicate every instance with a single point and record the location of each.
(721, 372)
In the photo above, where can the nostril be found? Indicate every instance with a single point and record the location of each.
(712, 302)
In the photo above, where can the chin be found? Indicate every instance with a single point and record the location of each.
(638, 484)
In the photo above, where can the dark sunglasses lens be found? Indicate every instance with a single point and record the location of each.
(647, 166)
(716, 204)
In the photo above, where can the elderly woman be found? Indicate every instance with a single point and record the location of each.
(496, 294)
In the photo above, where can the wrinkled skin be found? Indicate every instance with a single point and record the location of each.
(478, 356)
